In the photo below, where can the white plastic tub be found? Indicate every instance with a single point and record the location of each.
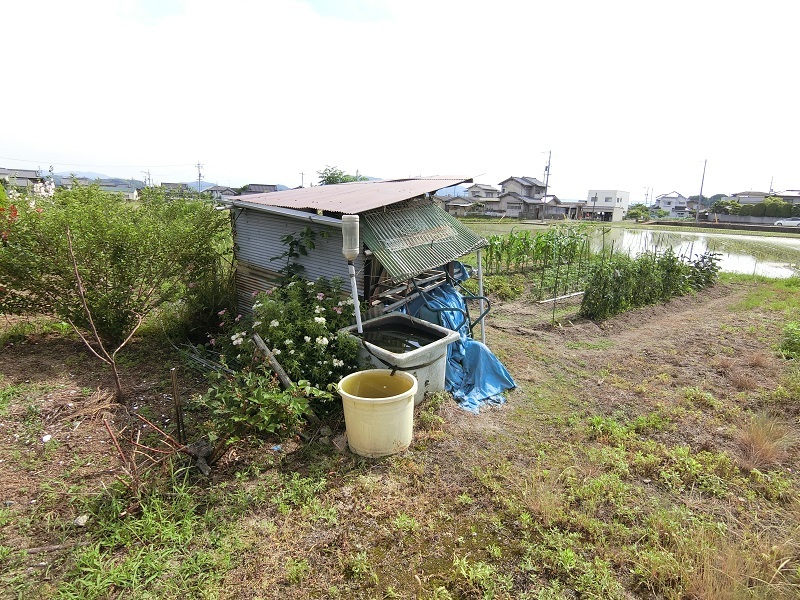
(378, 411)
(427, 363)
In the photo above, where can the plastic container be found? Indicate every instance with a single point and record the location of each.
(378, 411)
(427, 363)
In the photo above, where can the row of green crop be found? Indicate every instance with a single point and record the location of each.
(619, 282)
(522, 251)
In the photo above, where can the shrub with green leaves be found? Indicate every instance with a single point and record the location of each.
(790, 345)
(101, 263)
(252, 402)
(131, 258)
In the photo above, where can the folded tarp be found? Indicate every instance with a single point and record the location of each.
(474, 375)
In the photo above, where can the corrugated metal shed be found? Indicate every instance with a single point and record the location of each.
(415, 236)
(353, 198)
(258, 241)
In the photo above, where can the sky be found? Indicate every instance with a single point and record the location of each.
(625, 95)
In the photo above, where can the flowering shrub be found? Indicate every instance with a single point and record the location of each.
(300, 324)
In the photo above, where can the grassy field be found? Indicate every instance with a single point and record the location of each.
(654, 455)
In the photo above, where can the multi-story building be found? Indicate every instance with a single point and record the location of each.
(606, 205)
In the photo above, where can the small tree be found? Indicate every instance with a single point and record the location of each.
(103, 264)
(637, 211)
(725, 207)
(334, 175)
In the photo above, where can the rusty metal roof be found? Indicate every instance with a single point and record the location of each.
(416, 236)
(353, 198)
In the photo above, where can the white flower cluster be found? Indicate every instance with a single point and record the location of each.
(306, 338)
(237, 338)
(318, 310)
(274, 323)
(320, 320)
(289, 342)
(338, 363)
(322, 341)
(346, 302)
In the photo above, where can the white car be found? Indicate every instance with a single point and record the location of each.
(788, 222)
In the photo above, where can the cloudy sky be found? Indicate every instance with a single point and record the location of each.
(627, 95)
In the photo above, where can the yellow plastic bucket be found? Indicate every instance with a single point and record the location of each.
(378, 411)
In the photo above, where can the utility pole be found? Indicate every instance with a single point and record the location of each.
(148, 181)
(547, 173)
(700, 199)
(546, 182)
(199, 175)
(302, 176)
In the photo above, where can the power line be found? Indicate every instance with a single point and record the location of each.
(54, 162)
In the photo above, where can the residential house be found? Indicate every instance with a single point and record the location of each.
(572, 209)
(480, 190)
(519, 197)
(70, 182)
(749, 197)
(458, 207)
(175, 187)
(259, 188)
(676, 204)
(22, 177)
(790, 196)
(218, 191)
(129, 189)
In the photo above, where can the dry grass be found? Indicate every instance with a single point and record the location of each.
(765, 441)
(759, 360)
(723, 364)
(741, 380)
(757, 566)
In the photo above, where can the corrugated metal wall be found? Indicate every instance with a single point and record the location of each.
(258, 239)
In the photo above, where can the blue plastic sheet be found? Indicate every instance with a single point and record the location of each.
(474, 375)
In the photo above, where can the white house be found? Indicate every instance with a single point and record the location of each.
(606, 205)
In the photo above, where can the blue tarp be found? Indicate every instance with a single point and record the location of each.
(474, 375)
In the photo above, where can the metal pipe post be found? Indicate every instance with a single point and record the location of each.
(354, 289)
(480, 293)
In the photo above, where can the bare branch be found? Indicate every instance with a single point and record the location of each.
(82, 295)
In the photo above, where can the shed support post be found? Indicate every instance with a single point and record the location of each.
(480, 293)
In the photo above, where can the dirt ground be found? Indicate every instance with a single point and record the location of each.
(694, 339)
(54, 436)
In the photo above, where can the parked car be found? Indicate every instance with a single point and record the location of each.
(788, 222)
